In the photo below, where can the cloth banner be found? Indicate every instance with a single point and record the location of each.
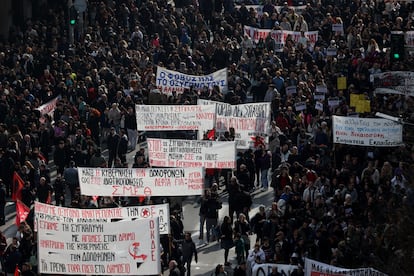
(174, 117)
(48, 108)
(315, 268)
(394, 82)
(192, 154)
(122, 248)
(168, 80)
(266, 269)
(409, 39)
(248, 120)
(62, 214)
(370, 132)
(279, 35)
(142, 181)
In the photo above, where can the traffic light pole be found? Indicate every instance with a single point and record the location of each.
(71, 32)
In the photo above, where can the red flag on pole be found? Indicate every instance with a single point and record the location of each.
(211, 135)
(22, 211)
(18, 185)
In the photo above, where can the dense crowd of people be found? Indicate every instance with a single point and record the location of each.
(334, 203)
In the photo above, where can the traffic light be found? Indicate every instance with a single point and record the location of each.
(397, 46)
(73, 15)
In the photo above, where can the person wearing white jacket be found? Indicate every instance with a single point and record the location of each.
(256, 256)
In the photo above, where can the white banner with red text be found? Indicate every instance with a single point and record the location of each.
(369, 132)
(279, 35)
(174, 117)
(168, 81)
(122, 248)
(248, 120)
(142, 181)
(315, 268)
(54, 213)
(192, 154)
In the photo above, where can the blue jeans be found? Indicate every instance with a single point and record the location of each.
(264, 178)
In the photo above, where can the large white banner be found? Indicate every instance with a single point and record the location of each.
(168, 80)
(54, 213)
(248, 120)
(394, 82)
(370, 132)
(174, 117)
(266, 269)
(315, 268)
(139, 182)
(278, 35)
(192, 154)
(122, 248)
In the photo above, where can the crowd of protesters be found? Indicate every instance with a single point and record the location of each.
(332, 202)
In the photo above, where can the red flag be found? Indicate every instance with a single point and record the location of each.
(258, 141)
(22, 211)
(49, 198)
(43, 158)
(17, 271)
(18, 184)
(211, 134)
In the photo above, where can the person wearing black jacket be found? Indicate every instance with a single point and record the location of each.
(188, 249)
(131, 127)
(112, 144)
(212, 205)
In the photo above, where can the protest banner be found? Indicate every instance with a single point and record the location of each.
(290, 90)
(247, 120)
(363, 106)
(48, 108)
(409, 39)
(315, 268)
(371, 132)
(278, 35)
(393, 82)
(299, 106)
(266, 269)
(175, 117)
(355, 98)
(341, 83)
(192, 154)
(338, 28)
(54, 213)
(122, 248)
(168, 80)
(319, 96)
(333, 101)
(319, 106)
(321, 89)
(144, 181)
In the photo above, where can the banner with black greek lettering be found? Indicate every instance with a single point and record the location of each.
(394, 82)
(369, 132)
(315, 268)
(266, 269)
(174, 117)
(279, 35)
(54, 213)
(192, 154)
(122, 248)
(168, 80)
(140, 182)
(248, 120)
